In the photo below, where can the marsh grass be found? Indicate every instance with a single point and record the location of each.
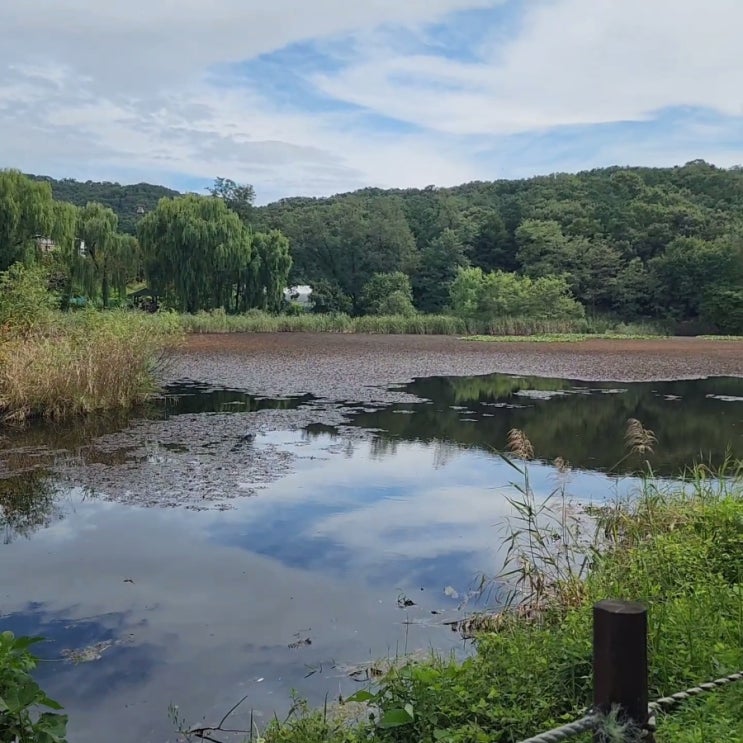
(503, 329)
(82, 363)
(256, 321)
(677, 547)
(567, 337)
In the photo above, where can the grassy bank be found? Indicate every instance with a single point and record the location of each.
(679, 550)
(62, 365)
(630, 334)
(418, 324)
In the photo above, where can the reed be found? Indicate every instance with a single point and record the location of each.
(83, 363)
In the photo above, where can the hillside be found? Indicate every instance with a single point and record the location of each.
(124, 200)
(630, 242)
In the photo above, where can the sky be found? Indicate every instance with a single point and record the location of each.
(315, 97)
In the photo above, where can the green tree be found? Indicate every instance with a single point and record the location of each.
(690, 268)
(26, 213)
(195, 249)
(388, 294)
(329, 298)
(475, 294)
(438, 268)
(274, 264)
(634, 289)
(543, 249)
(105, 260)
(130, 202)
(724, 309)
(492, 246)
(239, 197)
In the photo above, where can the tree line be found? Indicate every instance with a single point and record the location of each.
(626, 243)
(631, 243)
(194, 252)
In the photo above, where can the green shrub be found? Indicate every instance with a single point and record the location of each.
(26, 304)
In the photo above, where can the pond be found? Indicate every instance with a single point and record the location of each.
(312, 538)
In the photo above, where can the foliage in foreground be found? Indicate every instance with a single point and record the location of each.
(21, 698)
(678, 550)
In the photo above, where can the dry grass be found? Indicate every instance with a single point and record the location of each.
(82, 364)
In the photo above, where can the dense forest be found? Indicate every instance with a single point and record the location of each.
(627, 243)
(664, 243)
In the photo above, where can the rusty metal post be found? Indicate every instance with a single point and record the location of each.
(620, 661)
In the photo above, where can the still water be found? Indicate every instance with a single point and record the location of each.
(295, 587)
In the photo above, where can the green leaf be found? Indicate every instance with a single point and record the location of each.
(362, 696)
(54, 726)
(25, 642)
(51, 703)
(395, 718)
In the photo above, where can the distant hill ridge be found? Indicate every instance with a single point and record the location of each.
(124, 200)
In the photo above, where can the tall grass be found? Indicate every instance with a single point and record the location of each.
(255, 321)
(81, 363)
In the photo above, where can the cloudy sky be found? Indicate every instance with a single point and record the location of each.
(314, 97)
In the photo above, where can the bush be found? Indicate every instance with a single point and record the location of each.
(25, 301)
(724, 309)
(388, 294)
(497, 295)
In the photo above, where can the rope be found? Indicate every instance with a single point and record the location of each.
(664, 704)
(556, 735)
(590, 721)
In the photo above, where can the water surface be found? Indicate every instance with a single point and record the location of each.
(293, 587)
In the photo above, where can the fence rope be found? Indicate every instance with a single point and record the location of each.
(557, 735)
(666, 703)
(590, 721)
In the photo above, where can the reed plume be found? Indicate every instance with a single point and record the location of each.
(638, 439)
(519, 445)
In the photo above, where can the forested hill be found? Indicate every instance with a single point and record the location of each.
(629, 242)
(634, 242)
(124, 200)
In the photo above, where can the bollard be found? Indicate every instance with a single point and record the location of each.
(620, 662)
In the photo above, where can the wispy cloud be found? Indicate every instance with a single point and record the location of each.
(324, 96)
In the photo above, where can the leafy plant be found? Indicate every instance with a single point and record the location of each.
(21, 698)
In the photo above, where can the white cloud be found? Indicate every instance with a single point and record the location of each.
(575, 62)
(93, 90)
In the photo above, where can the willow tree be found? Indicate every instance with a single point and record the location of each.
(104, 259)
(61, 261)
(194, 250)
(273, 269)
(26, 213)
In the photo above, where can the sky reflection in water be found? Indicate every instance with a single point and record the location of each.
(198, 606)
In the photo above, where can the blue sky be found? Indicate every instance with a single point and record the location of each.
(314, 97)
